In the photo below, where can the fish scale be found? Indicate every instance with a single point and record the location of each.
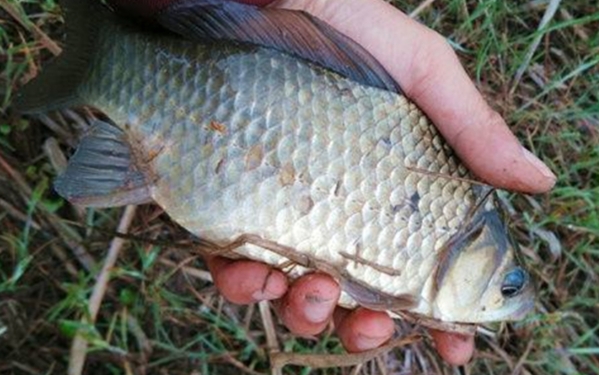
(359, 139)
(310, 168)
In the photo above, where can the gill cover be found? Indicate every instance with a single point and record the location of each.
(478, 278)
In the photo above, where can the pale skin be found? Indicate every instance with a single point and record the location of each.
(429, 73)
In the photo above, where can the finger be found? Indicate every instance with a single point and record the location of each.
(455, 349)
(430, 73)
(309, 304)
(363, 329)
(245, 281)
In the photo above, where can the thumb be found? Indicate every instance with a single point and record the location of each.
(431, 75)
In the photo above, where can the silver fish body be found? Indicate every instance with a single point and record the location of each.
(241, 140)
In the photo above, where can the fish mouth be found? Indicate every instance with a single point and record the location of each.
(526, 302)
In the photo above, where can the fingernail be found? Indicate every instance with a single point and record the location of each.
(538, 164)
(318, 309)
(275, 286)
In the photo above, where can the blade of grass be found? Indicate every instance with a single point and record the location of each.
(547, 17)
(79, 345)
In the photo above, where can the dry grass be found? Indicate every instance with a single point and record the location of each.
(160, 313)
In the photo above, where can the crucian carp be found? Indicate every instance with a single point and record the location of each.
(293, 147)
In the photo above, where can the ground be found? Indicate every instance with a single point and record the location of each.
(161, 315)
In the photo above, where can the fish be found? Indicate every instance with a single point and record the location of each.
(292, 147)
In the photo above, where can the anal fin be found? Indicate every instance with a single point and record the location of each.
(102, 173)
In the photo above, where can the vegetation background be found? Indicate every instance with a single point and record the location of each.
(536, 61)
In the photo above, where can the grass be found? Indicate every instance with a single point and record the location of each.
(161, 315)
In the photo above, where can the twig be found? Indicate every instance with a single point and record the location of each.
(278, 360)
(191, 271)
(501, 353)
(577, 29)
(14, 212)
(58, 129)
(55, 155)
(82, 123)
(356, 370)
(581, 68)
(68, 236)
(79, 346)
(247, 318)
(381, 365)
(269, 329)
(15, 176)
(423, 5)
(25, 368)
(522, 358)
(233, 361)
(66, 262)
(31, 27)
(144, 344)
(127, 366)
(548, 16)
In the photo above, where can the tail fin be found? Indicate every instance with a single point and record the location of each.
(57, 85)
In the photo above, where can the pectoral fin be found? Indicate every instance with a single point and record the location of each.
(375, 300)
(102, 173)
(289, 31)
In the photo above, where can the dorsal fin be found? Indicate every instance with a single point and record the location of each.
(293, 32)
(102, 173)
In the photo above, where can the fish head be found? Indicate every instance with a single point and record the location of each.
(479, 278)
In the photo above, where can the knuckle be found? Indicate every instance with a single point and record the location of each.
(430, 55)
(489, 119)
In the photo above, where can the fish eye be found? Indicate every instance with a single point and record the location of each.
(513, 282)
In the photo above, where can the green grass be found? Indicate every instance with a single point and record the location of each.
(155, 318)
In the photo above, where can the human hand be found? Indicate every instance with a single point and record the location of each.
(308, 305)
(430, 74)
